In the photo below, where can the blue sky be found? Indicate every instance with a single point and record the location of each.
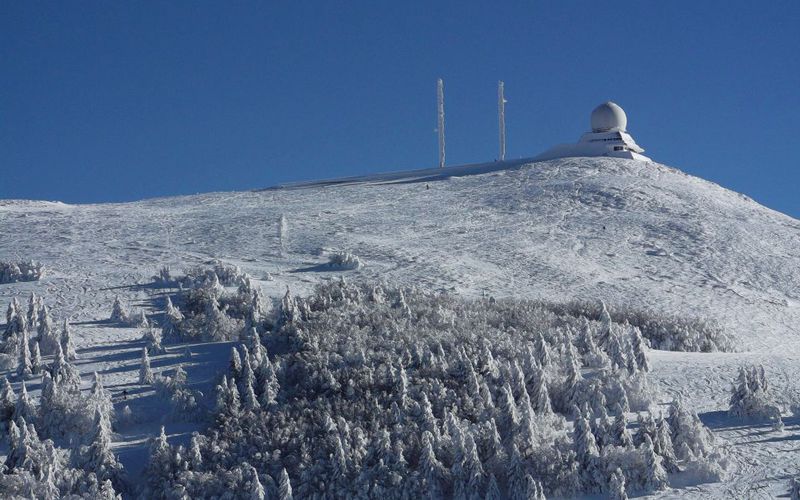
(113, 101)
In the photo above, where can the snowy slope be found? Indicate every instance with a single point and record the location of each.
(622, 231)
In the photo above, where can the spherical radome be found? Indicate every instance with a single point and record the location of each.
(609, 117)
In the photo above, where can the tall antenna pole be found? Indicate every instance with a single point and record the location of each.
(501, 118)
(440, 119)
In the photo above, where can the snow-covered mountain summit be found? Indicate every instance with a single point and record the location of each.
(622, 231)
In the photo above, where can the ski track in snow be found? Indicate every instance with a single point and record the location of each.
(622, 231)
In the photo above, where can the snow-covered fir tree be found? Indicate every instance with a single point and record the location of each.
(36, 359)
(284, 486)
(145, 372)
(118, 312)
(99, 458)
(24, 365)
(616, 486)
(48, 334)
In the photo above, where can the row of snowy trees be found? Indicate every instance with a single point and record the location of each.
(62, 445)
(30, 334)
(12, 272)
(666, 332)
(365, 391)
(59, 445)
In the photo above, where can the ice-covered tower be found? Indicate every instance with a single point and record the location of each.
(608, 137)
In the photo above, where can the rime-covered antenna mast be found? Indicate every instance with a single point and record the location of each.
(440, 119)
(501, 118)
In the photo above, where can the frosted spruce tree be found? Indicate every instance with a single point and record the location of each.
(25, 407)
(171, 326)
(616, 486)
(284, 486)
(34, 305)
(654, 474)
(67, 346)
(256, 490)
(64, 374)
(16, 323)
(48, 335)
(36, 359)
(99, 457)
(145, 372)
(118, 313)
(24, 366)
(7, 403)
(159, 465)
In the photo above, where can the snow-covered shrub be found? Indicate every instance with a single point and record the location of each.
(343, 261)
(12, 272)
(750, 397)
(359, 390)
(665, 332)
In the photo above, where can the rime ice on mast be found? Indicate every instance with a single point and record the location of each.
(608, 137)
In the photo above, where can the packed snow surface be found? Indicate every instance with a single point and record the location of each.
(628, 233)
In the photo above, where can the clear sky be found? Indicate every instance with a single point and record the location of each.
(112, 101)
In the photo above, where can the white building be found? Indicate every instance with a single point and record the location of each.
(607, 138)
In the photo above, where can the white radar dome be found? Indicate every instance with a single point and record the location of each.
(609, 117)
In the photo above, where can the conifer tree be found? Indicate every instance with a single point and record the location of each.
(36, 359)
(655, 476)
(606, 327)
(533, 488)
(100, 459)
(639, 353)
(66, 342)
(616, 486)
(107, 491)
(256, 488)
(24, 367)
(25, 408)
(250, 401)
(195, 454)
(284, 486)
(542, 351)
(619, 431)
(507, 408)
(430, 468)
(118, 313)
(160, 463)
(472, 466)
(540, 397)
(664, 447)
(145, 372)
(615, 353)
(12, 310)
(235, 364)
(492, 490)
(16, 322)
(100, 399)
(64, 373)
(7, 401)
(33, 311)
(47, 333)
(516, 480)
